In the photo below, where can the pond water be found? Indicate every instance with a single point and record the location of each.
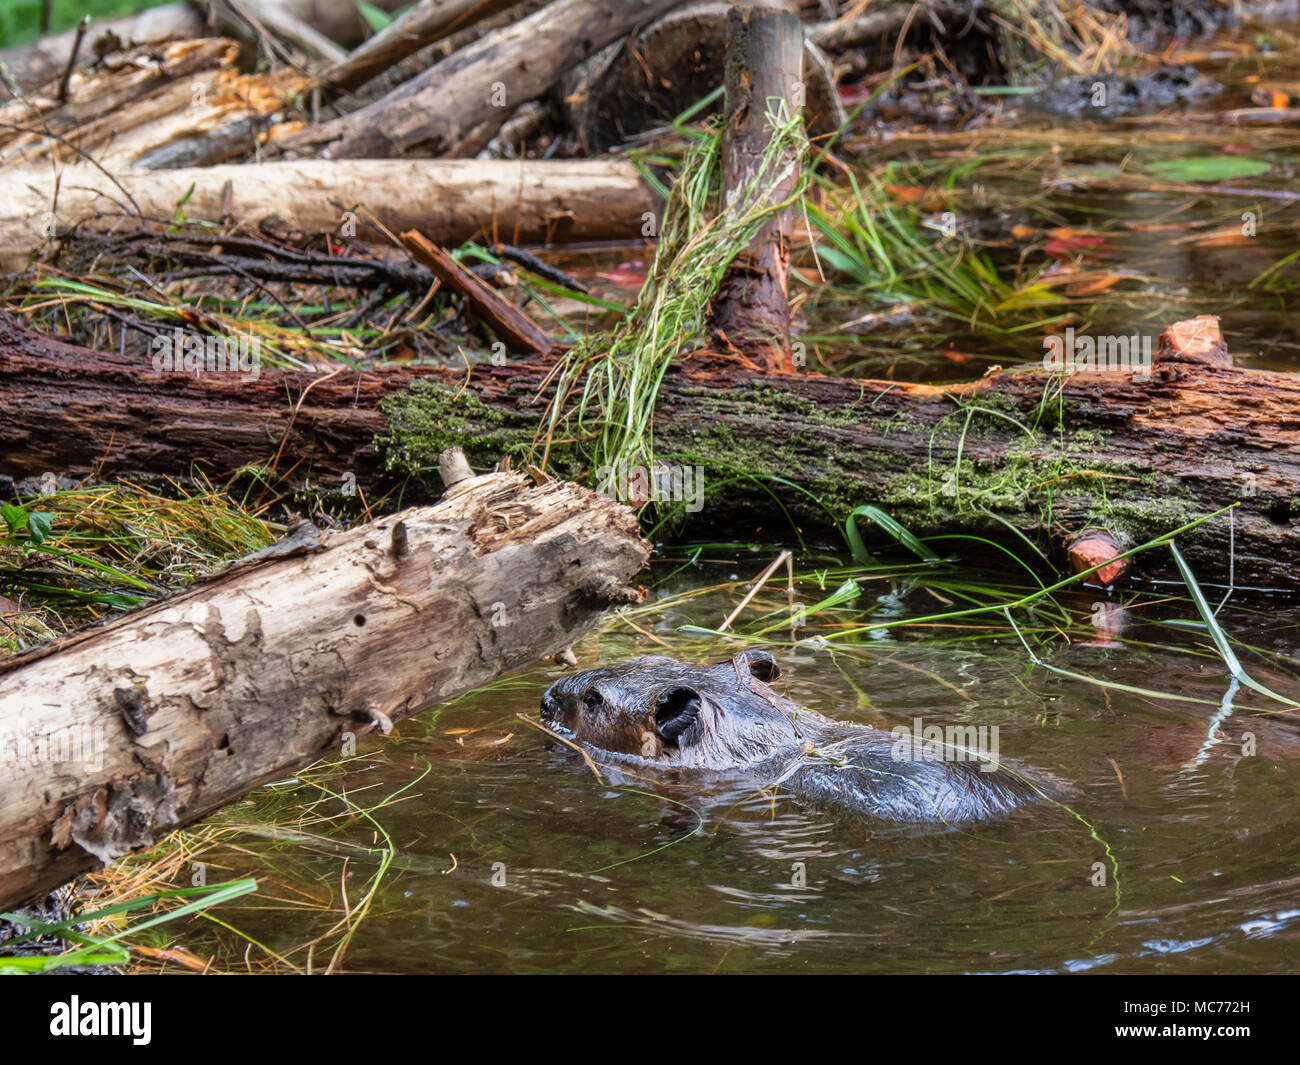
(1073, 212)
(1175, 850)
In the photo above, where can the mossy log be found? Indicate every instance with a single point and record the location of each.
(113, 737)
(1048, 455)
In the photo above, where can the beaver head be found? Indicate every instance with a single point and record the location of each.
(716, 717)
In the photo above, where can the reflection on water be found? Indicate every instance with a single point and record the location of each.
(1174, 853)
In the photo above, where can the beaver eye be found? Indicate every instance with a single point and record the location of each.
(591, 699)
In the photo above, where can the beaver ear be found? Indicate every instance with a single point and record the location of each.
(760, 664)
(676, 710)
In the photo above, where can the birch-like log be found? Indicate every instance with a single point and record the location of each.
(111, 738)
(450, 201)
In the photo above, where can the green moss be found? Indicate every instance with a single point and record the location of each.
(1042, 479)
(429, 418)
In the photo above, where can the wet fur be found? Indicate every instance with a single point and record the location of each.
(726, 717)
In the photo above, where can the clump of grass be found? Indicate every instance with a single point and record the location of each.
(285, 829)
(131, 902)
(1059, 34)
(616, 376)
(71, 553)
(288, 346)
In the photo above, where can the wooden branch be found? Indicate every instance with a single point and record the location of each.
(113, 737)
(419, 26)
(479, 84)
(889, 18)
(503, 318)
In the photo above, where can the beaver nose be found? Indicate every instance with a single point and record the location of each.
(550, 705)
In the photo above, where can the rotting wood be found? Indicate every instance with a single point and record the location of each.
(1137, 454)
(115, 736)
(40, 61)
(153, 107)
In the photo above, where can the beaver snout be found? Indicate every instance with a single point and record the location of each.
(550, 706)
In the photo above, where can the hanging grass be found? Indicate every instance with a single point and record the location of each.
(608, 383)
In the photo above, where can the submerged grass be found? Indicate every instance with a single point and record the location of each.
(882, 246)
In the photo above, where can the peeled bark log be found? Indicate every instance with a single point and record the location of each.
(113, 737)
(450, 201)
(1166, 448)
(764, 66)
(479, 84)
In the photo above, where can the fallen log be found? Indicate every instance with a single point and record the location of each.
(113, 737)
(420, 25)
(1051, 455)
(477, 87)
(450, 201)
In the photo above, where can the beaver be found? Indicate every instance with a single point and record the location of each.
(726, 718)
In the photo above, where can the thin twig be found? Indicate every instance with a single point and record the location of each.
(784, 556)
(568, 743)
